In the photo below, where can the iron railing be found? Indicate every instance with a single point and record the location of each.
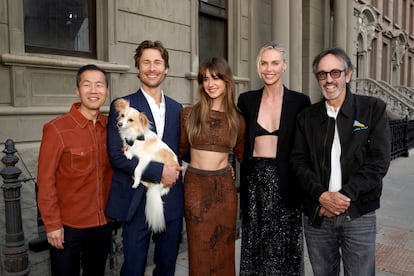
(402, 137)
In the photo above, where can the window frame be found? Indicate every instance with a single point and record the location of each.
(65, 52)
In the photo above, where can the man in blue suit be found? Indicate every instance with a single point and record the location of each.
(126, 204)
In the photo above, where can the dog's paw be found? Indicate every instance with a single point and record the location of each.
(164, 191)
(137, 181)
(136, 184)
(128, 154)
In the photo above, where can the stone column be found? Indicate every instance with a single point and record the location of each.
(280, 28)
(340, 24)
(295, 54)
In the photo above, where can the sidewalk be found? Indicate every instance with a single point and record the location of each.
(395, 220)
(395, 226)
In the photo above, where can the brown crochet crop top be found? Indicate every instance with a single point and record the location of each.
(216, 137)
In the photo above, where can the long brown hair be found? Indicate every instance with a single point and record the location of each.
(217, 66)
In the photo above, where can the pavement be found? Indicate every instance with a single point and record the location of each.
(395, 229)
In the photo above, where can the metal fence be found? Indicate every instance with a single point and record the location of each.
(410, 133)
(402, 137)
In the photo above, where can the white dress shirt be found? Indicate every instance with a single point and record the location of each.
(158, 112)
(335, 180)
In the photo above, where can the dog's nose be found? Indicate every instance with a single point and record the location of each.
(119, 124)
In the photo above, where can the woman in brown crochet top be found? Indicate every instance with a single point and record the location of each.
(210, 130)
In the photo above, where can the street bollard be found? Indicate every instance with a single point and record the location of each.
(16, 261)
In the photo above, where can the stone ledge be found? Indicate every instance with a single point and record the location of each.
(39, 110)
(59, 62)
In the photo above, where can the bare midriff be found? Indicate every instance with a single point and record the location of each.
(208, 160)
(265, 146)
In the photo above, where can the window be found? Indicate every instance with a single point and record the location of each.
(212, 28)
(385, 62)
(402, 74)
(410, 81)
(61, 27)
(373, 60)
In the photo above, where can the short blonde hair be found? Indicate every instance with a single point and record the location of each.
(272, 45)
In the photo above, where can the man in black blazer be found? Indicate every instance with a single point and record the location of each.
(126, 204)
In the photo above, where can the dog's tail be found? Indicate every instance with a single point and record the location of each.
(154, 209)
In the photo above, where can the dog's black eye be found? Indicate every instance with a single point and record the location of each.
(122, 115)
(130, 120)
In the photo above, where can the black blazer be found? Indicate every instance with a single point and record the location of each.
(293, 103)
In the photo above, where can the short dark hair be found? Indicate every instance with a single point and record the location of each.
(91, 67)
(339, 53)
(148, 44)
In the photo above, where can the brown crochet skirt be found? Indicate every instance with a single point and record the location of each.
(210, 212)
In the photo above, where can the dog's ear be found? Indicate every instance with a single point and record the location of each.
(121, 104)
(143, 119)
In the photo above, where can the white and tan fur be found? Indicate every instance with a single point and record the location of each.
(139, 141)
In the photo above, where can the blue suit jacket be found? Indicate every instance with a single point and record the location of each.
(124, 202)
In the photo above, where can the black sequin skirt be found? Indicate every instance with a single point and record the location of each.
(272, 241)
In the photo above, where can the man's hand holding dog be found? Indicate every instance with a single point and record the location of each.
(56, 238)
(170, 175)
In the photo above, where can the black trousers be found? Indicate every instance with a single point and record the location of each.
(87, 248)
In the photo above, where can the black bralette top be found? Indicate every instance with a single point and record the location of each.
(260, 131)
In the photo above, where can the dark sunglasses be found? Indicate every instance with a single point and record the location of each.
(335, 74)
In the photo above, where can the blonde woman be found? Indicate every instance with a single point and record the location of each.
(271, 215)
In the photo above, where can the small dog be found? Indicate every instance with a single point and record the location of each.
(139, 141)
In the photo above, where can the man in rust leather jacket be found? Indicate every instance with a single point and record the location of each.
(74, 177)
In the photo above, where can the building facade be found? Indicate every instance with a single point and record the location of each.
(38, 77)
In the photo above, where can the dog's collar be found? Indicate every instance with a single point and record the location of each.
(131, 142)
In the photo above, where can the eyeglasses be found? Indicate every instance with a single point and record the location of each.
(335, 74)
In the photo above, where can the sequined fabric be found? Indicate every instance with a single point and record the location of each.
(210, 213)
(272, 242)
